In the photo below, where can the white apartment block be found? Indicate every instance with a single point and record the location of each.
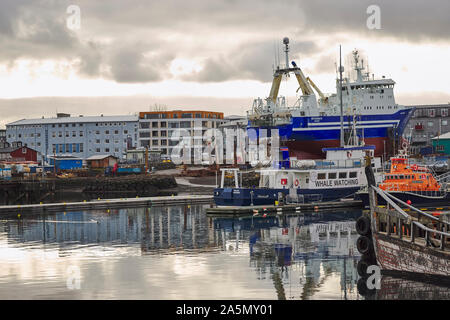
(156, 128)
(79, 136)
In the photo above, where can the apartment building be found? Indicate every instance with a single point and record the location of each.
(427, 122)
(78, 136)
(156, 128)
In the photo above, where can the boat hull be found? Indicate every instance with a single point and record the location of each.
(399, 256)
(244, 197)
(306, 136)
(425, 199)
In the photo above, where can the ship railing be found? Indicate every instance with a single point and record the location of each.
(417, 224)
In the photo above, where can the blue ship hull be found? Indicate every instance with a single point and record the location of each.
(417, 200)
(306, 136)
(244, 197)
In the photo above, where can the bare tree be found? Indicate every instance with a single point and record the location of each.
(158, 107)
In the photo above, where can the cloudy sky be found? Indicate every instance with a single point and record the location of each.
(127, 56)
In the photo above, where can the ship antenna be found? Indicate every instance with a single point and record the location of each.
(341, 69)
(286, 50)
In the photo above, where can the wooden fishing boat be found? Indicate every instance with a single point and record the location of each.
(402, 239)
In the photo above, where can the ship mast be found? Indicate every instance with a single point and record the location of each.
(341, 70)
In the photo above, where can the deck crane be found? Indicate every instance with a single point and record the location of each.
(322, 96)
(278, 75)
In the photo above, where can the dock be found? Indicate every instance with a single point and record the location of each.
(297, 207)
(104, 204)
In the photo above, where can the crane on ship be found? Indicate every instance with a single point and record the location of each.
(278, 75)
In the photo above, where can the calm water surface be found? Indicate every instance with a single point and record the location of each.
(181, 253)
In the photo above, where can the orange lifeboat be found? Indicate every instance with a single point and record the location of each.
(405, 177)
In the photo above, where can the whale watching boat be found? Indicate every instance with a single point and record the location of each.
(338, 176)
(311, 124)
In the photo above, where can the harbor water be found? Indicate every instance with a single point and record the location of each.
(180, 252)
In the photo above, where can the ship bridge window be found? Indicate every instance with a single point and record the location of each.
(352, 174)
(342, 175)
(332, 175)
(321, 176)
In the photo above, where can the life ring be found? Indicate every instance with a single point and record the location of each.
(296, 182)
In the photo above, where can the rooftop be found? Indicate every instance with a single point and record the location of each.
(124, 118)
(442, 136)
(100, 157)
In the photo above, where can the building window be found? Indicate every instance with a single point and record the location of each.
(186, 115)
(155, 142)
(97, 141)
(163, 124)
(430, 123)
(97, 150)
(352, 175)
(185, 124)
(81, 133)
(154, 124)
(116, 131)
(125, 131)
(106, 149)
(60, 134)
(97, 132)
(81, 147)
(154, 133)
(106, 140)
(54, 134)
(67, 134)
(107, 132)
(74, 133)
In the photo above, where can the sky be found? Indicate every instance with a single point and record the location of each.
(121, 57)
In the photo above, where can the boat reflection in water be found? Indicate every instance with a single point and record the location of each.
(405, 288)
(305, 255)
(180, 253)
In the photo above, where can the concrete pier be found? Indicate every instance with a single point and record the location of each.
(104, 204)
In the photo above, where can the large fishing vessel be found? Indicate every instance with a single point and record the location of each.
(312, 124)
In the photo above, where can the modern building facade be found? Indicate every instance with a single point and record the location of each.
(78, 136)
(427, 122)
(157, 128)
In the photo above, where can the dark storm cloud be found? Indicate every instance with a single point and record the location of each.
(253, 62)
(37, 29)
(132, 64)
